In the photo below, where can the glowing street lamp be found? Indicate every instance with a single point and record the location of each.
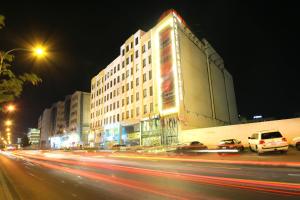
(8, 123)
(10, 108)
(38, 51)
(7, 129)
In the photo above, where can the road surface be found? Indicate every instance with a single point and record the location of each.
(36, 176)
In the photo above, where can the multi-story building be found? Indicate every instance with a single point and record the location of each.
(66, 123)
(164, 81)
(33, 135)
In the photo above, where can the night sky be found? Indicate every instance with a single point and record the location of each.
(258, 41)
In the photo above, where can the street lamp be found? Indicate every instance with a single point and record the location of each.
(8, 122)
(10, 108)
(38, 51)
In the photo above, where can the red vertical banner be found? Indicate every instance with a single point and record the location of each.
(166, 69)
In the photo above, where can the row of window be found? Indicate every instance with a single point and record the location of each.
(128, 100)
(115, 81)
(125, 115)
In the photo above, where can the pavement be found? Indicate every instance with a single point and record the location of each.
(119, 175)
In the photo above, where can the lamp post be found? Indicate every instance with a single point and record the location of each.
(38, 51)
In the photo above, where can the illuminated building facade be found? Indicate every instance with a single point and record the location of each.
(33, 135)
(164, 81)
(66, 123)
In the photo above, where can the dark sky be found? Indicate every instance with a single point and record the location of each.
(257, 40)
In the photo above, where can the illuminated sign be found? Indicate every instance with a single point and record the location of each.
(167, 74)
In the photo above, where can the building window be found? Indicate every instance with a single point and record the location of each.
(145, 93)
(149, 44)
(122, 115)
(151, 107)
(137, 82)
(114, 81)
(131, 57)
(136, 41)
(151, 91)
(117, 104)
(136, 53)
(115, 69)
(127, 48)
(150, 74)
(144, 77)
(131, 45)
(131, 112)
(118, 118)
(149, 59)
(114, 118)
(127, 100)
(131, 70)
(127, 73)
(137, 111)
(123, 77)
(123, 64)
(127, 61)
(131, 98)
(123, 52)
(118, 79)
(127, 114)
(127, 86)
(131, 84)
(123, 89)
(122, 102)
(137, 96)
(143, 49)
(144, 62)
(118, 67)
(145, 109)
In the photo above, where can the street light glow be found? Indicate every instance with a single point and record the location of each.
(7, 129)
(39, 51)
(10, 108)
(8, 122)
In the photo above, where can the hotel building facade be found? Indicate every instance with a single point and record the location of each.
(164, 81)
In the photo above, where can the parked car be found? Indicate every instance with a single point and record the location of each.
(119, 147)
(231, 144)
(192, 147)
(296, 143)
(265, 141)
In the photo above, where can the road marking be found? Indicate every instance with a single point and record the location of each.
(294, 175)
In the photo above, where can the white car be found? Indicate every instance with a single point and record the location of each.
(296, 143)
(265, 141)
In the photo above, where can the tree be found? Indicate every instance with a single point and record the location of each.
(25, 141)
(11, 85)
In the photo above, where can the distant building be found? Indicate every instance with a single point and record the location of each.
(33, 135)
(164, 81)
(66, 123)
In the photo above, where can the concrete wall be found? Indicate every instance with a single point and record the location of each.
(289, 128)
(233, 113)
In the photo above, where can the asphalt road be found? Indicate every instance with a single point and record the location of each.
(41, 176)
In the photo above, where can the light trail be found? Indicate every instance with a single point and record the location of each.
(264, 186)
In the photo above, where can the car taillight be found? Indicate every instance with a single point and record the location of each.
(284, 139)
(261, 142)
